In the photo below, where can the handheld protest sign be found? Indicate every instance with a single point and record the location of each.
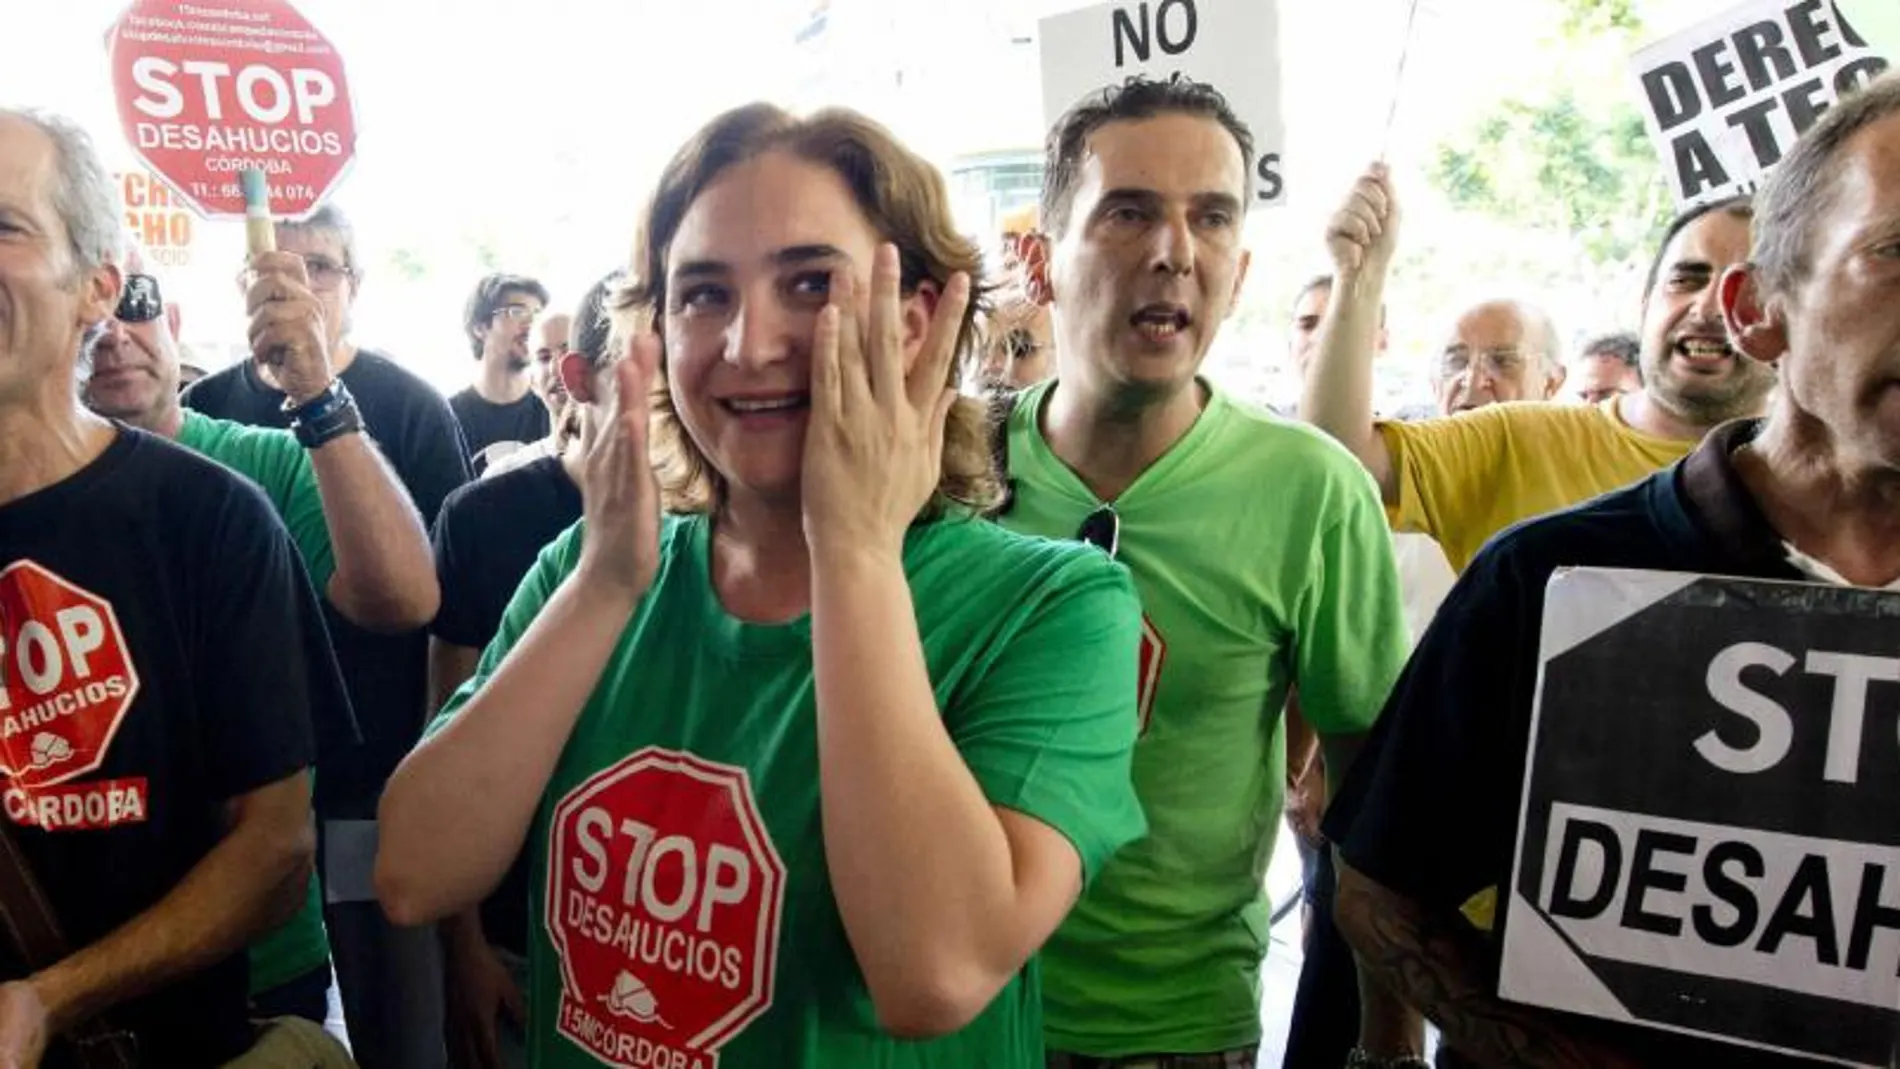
(1877, 22)
(1713, 850)
(206, 93)
(1726, 98)
(164, 225)
(1233, 45)
(259, 235)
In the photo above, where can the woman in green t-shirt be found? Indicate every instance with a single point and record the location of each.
(811, 759)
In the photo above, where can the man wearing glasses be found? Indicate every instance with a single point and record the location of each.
(544, 379)
(353, 523)
(1499, 351)
(500, 413)
(390, 978)
(1259, 551)
(1464, 478)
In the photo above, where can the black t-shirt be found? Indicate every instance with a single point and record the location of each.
(1430, 808)
(486, 424)
(486, 540)
(164, 654)
(387, 675)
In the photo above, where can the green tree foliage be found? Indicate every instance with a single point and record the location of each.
(1558, 165)
(1584, 18)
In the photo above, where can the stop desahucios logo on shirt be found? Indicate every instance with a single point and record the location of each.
(664, 894)
(66, 683)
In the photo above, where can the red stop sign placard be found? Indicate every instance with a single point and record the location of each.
(1154, 654)
(664, 895)
(68, 677)
(207, 91)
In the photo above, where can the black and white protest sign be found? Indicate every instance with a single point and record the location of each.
(1710, 835)
(1233, 45)
(1726, 98)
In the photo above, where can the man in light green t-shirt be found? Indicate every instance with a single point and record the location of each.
(1260, 553)
(360, 536)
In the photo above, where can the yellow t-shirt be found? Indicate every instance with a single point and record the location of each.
(1464, 478)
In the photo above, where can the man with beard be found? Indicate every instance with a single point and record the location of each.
(1427, 822)
(544, 380)
(500, 412)
(1258, 548)
(352, 521)
(1463, 478)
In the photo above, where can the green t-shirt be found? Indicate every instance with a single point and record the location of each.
(1260, 551)
(277, 463)
(683, 913)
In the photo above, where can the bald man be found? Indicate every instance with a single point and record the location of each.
(1500, 350)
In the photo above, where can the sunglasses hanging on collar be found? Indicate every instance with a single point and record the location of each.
(140, 301)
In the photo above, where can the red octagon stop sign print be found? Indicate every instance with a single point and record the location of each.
(69, 679)
(208, 91)
(663, 901)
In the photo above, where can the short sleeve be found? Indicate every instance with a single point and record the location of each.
(459, 621)
(557, 559)
(1350, 639)
(1447, 468)
(1049, 730)
(1430, 807)
(267, 679)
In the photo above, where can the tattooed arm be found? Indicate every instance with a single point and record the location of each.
(1440, 965)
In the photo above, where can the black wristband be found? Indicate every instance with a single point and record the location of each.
(327, 416)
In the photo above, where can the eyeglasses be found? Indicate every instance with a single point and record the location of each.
(1497, 362)
(1102, 529)
(324, 274)
(140, 301)
(520, 313)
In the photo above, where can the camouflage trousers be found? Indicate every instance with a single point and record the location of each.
(1244, 1058)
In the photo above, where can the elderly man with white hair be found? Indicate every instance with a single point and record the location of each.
(165, 660)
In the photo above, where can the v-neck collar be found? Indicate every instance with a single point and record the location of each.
(1156, 476)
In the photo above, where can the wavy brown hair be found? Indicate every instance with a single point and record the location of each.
(904, 198)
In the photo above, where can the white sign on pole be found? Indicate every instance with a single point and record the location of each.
(1726, 98)
(1233, 45)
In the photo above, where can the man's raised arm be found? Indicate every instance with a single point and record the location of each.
(1361, 237)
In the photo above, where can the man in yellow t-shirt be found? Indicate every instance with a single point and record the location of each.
(1463, 478)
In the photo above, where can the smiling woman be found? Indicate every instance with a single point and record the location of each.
(815, 760)
(907, 203)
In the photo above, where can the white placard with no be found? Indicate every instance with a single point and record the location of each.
(1233, 45)
(1725, 99)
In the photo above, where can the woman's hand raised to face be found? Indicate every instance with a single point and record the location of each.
(619, 494)
(874, 440)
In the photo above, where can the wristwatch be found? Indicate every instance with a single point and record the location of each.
(325, 417)
(1359, 1059)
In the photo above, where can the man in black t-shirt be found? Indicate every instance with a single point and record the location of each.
(501, 413)
(486, 540)
(161, 656)
(390, 978)
(1427, 820)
